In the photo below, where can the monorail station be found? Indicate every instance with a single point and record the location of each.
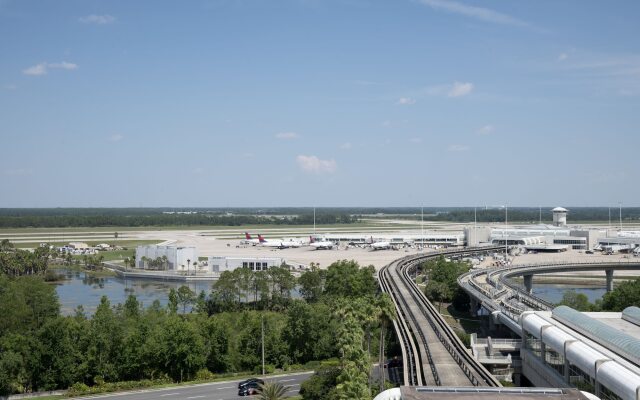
(594, 352)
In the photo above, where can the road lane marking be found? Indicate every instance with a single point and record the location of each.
(196, 397)
(225, 387)
(286, 380)
(169, 394)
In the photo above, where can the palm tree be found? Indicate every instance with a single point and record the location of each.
(6, 245)
(272, 391)
(387, 313)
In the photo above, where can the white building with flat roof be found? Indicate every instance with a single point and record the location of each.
(221, 264)
(177, 258)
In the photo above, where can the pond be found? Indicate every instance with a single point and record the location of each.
(554, 292)
(80, 288)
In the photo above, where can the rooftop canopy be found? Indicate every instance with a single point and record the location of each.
(560, 209)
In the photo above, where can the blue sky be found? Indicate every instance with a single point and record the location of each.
(325, 103)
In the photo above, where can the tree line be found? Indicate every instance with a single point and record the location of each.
(82, 219)
(197, 335)
(624, 295)
(16, 262)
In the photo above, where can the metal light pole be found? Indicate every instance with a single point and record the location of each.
(262, 323)
(475, 225)
(422, 227)
(188, 262)
(620, 204)
(506, 235)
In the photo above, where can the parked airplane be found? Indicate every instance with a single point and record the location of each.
(382, 245)
(322, 245)
(249, 240)
(278, 244)
(292, 243)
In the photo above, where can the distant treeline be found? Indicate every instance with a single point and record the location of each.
(42, 220)
(140, 217)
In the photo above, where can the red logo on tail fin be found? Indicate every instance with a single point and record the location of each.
(247, 236)
(261, 239)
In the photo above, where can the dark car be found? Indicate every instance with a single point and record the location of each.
(250, 380)
(250, 388)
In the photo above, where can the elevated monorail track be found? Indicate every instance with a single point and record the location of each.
(432, 352)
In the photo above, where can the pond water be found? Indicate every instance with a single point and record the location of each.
(80, 288)
(554, 292)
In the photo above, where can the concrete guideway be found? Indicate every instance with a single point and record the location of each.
(439, 358)
(493, 289)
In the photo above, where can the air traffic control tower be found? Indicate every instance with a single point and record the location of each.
(560, 216)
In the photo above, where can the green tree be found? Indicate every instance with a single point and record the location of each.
(312, 283)
(321, 385)
(272, 391)
(186, 297)
(624, 295)
(173, 301)
(347, 279)
(104, 343)
(177, 348)
(575, 300)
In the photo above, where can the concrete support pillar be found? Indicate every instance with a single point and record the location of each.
(473, 306)
(609, 273)
(528, 283)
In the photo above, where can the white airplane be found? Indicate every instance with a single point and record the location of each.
(249, 240)
(292, 243)
(278, 244)
(380, 245)
(322, 245)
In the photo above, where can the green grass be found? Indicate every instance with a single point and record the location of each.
(124, 229)
(129, 244)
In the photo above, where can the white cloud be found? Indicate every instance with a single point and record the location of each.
(485, 130)
(36, 70)
(64, 65)
(480, 13)
(116, 138)
(287, 135)
(43, 68)
(346, 146)
(458, 147)
(406, 101)
(315, 165)
(97, 19)
(459, 89)
(563, 57)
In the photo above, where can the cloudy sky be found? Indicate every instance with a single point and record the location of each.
(319, 102)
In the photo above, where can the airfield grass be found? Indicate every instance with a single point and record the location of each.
(129, 244)
(123, 229)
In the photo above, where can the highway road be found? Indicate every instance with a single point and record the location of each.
(227, 390)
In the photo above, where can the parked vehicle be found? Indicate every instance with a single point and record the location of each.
(250, 388)
(249, 381)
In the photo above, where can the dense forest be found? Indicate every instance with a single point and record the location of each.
(198, 335)
(141, 217)
(148, 217)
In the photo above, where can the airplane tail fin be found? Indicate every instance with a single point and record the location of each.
(247, 236)
(261, 239)
(311, 239)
